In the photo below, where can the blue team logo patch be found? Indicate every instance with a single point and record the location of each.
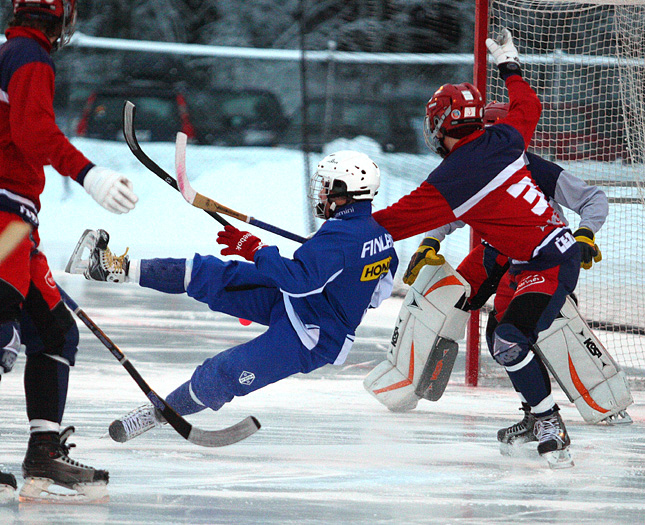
(375, 270)
(246, 378)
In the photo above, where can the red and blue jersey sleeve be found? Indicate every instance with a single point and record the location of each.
(29, 136)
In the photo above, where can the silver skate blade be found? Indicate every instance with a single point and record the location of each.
(44, 490)
(559, 459)
(622, 418)
(76, 263)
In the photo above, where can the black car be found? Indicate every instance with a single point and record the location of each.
(161, 112)
(387, 122)
(237, 117)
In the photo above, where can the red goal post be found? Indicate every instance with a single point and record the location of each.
(586, 60)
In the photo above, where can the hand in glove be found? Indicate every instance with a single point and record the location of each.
(426, 254)
(504, 53)
(110, 189)
(589, 251)
(239, 243)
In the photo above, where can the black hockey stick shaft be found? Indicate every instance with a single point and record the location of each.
(129, 110)
(206, 438)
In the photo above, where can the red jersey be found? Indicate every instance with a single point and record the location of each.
(484, 182)
(29, 136)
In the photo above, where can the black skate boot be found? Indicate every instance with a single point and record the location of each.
(554, 440)
(8, 487)
(135, 423)
(47, 463)
(103, 265)
(519, 433)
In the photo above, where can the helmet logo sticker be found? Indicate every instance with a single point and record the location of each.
(467, 95)
(456, 113)
(469, 112)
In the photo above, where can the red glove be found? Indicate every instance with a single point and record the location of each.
(239, 243)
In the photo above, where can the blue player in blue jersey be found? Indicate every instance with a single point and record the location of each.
(312, 304)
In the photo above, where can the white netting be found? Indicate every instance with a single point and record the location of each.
(587, 64)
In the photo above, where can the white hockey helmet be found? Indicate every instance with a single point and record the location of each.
(344, 173)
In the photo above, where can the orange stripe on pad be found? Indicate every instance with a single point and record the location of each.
(581, 388)
(446, 281)
(405, 382)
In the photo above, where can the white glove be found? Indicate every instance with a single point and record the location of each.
(503, 49)
(110, 189)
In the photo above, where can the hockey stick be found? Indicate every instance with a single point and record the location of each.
(204, 438)
(12, 236)
(130, 138)
(200, 201)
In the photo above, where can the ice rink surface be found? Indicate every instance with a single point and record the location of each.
(327, 452)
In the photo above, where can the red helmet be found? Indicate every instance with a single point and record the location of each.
(455, 109)
(65, 10)
(495, 112)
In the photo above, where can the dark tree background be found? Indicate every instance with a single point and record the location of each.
(422, 26)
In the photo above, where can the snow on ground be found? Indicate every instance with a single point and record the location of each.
(327, 451)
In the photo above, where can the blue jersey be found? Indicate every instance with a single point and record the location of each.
(344, 269)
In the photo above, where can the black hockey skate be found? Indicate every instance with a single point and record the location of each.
(554, 440)
(135, 423)
(101, 264)
(8, 487)
(47, 463)
(519, 433)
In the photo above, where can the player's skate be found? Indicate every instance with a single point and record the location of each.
(553, 440)
(47, 463)
(101, 264)
(517, 434)
(8, 487)
(135, 423)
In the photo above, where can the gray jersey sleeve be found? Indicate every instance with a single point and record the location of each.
(445, 230)
(590, 202)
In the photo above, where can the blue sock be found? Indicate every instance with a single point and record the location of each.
(164, 275)
(183, 403)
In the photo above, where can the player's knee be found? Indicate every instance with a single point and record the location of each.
(510, 345)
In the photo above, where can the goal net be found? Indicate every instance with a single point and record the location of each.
(587, 63)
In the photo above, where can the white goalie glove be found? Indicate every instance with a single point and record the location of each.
(110, 189)
(502, 48)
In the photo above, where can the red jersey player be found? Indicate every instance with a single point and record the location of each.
(31, 309)
(484, 182)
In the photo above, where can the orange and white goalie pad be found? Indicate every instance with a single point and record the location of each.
(423, 348)
(584, 369)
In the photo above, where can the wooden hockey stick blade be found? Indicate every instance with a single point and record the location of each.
(12, 236)
(190, 195)
(129, 134)
(205, 203)
(204, 438)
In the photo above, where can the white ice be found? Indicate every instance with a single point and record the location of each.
(327, 451)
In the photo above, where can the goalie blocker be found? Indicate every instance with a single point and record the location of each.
(423, 348)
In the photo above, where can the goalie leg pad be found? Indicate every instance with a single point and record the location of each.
(423, 341)
(584, 369)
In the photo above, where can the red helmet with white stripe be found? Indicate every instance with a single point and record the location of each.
(455, 110)
(63, 10)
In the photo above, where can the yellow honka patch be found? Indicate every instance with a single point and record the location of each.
(376, 269)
